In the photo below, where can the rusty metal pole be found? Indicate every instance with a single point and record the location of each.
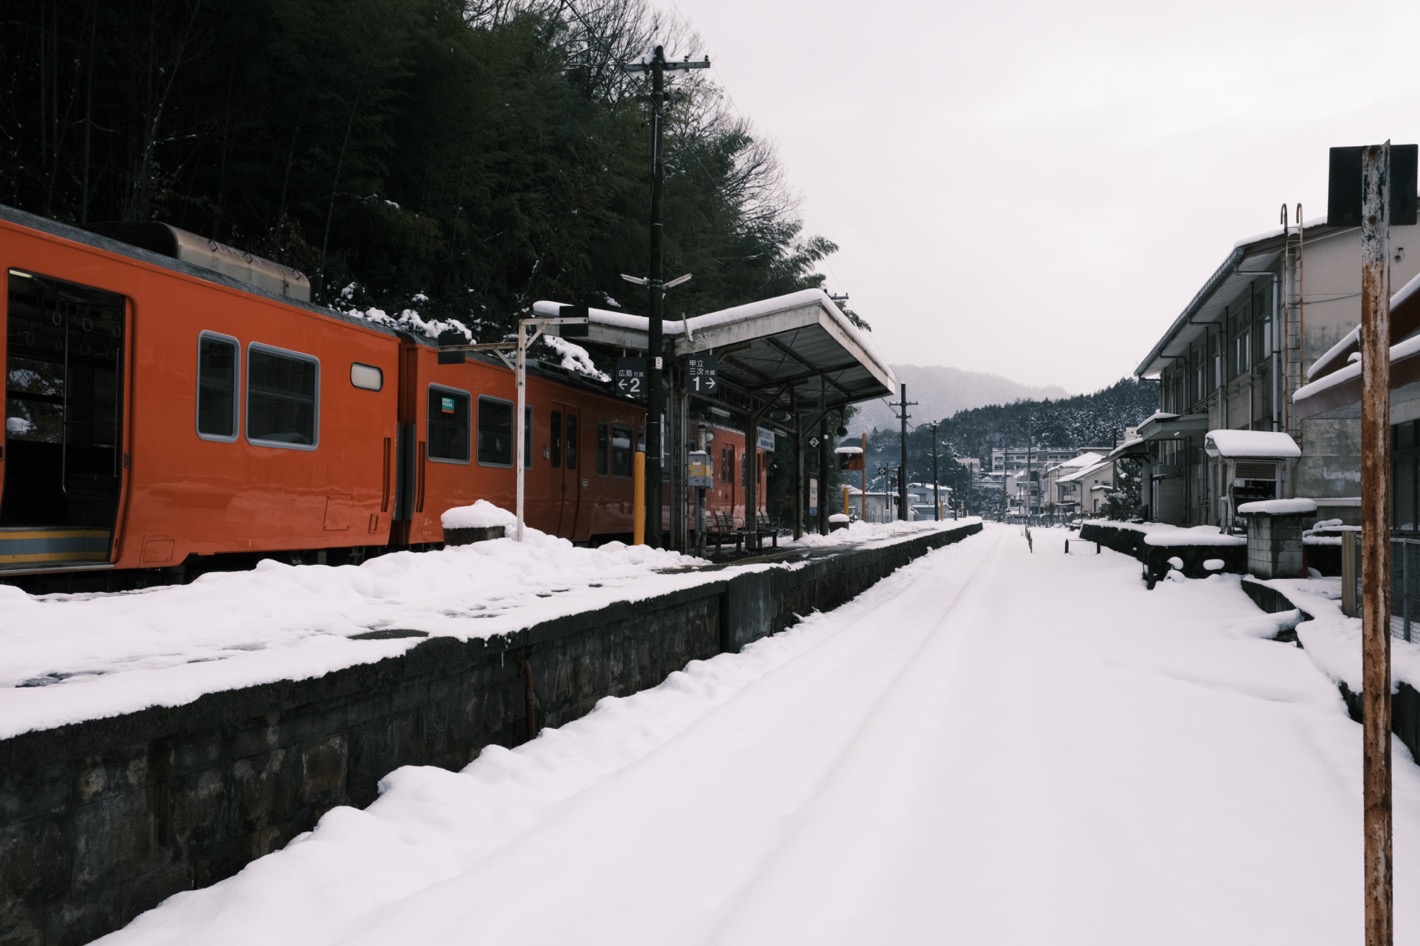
(1375, 541)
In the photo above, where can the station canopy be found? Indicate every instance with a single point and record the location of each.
(792, 353)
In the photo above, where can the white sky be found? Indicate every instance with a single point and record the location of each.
(1038, 190)
(931, 762)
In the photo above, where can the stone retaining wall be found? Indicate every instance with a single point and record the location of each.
(1155, 559)
(1404, 703)
(102, 820)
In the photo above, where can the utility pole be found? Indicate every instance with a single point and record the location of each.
(902, 416)
(655, 362)
(936, 494)
(1375, 542)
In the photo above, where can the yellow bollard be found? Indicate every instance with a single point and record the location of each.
(638, 500)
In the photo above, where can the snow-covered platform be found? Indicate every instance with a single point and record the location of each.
(160, 740)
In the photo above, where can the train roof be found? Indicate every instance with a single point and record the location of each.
(151, 257)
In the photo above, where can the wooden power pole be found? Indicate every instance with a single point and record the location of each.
(1375, 538)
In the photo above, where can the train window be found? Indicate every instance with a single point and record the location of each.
(621, 451)
(495, 433)
(366, 376)
(602, 449)
(571, 441)
(556, 438)
(283, 398)
(216, 387)
(449, 424)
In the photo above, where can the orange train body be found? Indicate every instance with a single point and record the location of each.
(157, 412)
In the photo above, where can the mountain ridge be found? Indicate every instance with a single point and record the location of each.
(941, 391)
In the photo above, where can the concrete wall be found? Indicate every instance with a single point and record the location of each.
(1274, 545)
(104, 819)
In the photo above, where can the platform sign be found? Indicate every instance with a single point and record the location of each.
(631, 376)
(702, 374)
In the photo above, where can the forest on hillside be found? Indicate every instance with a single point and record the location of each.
(1087, 420)
(477, 155)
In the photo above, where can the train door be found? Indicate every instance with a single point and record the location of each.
(567, 467)
(61, 469)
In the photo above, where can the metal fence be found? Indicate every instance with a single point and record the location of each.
(1404, 582)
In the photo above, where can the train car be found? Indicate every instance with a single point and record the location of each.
(160, 413)
(728, 454)
(460, 418)
(155, 411)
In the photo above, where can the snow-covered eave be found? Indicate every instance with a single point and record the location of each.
(1251, 445)
(1404, 322)
(1256, 253)
(808, 315)
(1342, 387)
(1131, 447)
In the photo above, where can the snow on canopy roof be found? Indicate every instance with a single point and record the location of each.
(1260, 444)
(790, 350)
(848, 450)
(1279, 507)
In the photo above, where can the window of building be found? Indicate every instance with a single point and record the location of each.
(1242, 339)
(1199, 358)
(1261, 324)
(283, 404)
(216, 387)
(450, 424)
(1405, 477)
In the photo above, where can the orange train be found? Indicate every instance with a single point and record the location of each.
(160, 412)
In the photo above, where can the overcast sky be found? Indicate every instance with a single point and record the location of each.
(1037, 190)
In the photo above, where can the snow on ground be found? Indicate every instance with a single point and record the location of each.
(988, 747)
(70, 658)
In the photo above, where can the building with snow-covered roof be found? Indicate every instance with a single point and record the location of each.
(1333, 393)
(1083, 490)
(1232, 361)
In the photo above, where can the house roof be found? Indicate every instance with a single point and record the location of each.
(1248, 261)
(1079, 475)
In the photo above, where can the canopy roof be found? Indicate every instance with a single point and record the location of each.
(1251, 445)
(1161, 426)
(789, 353)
